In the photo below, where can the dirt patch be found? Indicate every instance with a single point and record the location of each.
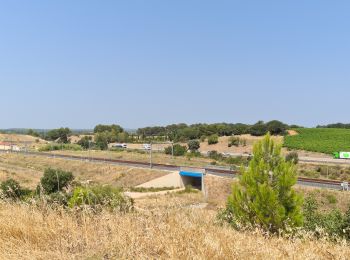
(292, 132)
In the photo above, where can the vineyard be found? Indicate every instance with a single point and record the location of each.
(324, 140)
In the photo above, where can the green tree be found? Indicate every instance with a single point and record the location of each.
(101, 140)
(32, 133)
(85, 142)
(258, 129)
(60, 135)
(179, 150)
(193, 145)
(108, 128)
(276, 127)
(264, 196)
(55, 180)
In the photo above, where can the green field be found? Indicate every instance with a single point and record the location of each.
(324, 140)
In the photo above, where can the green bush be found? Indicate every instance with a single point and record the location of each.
(331, 199)
(333, 223)
(57, 147)
(213, 139)
(193, 145)
(292, 157)
(215, 155)
(188, 189)
(86, 142)
(55, 180)
(179, 150)
(233, 141)
(101, 196)
(11, 189)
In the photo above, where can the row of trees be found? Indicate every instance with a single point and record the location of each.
(184, 132)
(336, 125)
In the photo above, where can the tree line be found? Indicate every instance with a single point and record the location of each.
(184, 132)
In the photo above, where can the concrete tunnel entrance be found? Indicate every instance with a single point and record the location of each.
(195, 179)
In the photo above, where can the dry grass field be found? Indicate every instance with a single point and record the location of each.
(141, 157)
(172, 226)
(168, 227)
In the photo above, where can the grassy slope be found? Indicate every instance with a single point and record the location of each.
(324, 140)
(161, 228)
(29, 169)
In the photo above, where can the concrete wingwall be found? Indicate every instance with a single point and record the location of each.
(172, 179)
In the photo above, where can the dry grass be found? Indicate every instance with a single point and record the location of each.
(29, 169)
(141, 157)
(169, 231)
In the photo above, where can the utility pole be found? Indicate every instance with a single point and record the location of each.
(172, 150)
(150, 155)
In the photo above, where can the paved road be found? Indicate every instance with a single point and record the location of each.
(304, 159)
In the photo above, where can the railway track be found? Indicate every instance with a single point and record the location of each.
(329, 184)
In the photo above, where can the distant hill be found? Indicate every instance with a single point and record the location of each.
(41, 131)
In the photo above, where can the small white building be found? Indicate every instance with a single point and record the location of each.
(9, 147)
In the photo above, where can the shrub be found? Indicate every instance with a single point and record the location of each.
(213, 139)
(292, 157)
(331, 199)
(57, 147)
(188, 189)
(105, 196)
(85, 142)
(346, 225)
(264, 196)
(11, 189)
(215, 155)
(179, 150)
(193, 145)
(236, 160)
(332, 223)
(55, 180)
(233, 141)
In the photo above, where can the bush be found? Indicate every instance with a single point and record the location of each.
(213, 139)
(179, 150)
(11, 189)
(86, 142)
(264, 196)
(98, 196)
(193, 145)
(215, 155)
(292, 157)
(233, 141)
(55, 180)
(332, 223)
(57, 147)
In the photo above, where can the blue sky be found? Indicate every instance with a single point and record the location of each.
(139, 63)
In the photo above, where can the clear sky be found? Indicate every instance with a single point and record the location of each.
(139, 63)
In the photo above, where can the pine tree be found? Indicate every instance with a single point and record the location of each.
(264, 196)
